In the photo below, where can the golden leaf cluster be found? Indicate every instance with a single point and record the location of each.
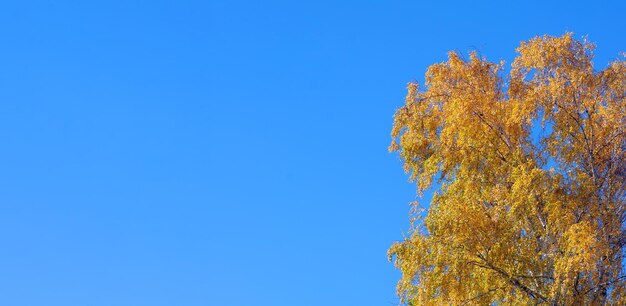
(530, 171)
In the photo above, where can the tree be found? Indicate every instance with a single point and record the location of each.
(529, 169)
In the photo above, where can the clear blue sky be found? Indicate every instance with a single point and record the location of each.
(224, 152)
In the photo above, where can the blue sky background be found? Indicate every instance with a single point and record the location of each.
(225, 152)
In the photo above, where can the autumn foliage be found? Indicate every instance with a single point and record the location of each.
(529, 168)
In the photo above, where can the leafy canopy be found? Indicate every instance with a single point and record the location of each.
(530, 171)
